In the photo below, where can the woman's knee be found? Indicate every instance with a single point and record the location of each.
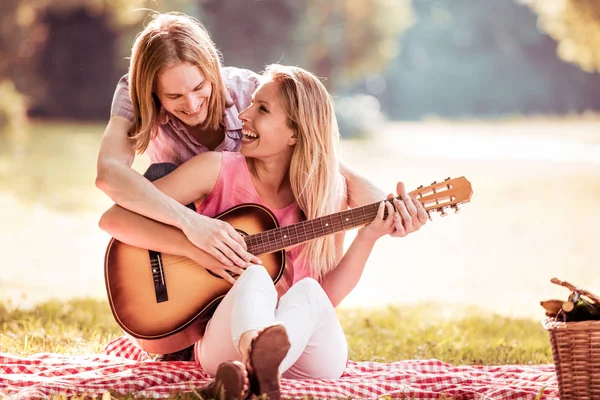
(256, 273)
(255, 279)
(309, 293)
(312, 289)
(309, 285)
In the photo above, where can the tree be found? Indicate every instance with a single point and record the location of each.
(48, 48)
(33, 59)
(345, 40)
(340, 40)
(575, 25)
(18, 42)
(466, 58)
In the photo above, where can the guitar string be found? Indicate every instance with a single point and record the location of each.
(270, 244)
(278, 232)
(281, 234)
(177, 260)
(309, 231)
(312, 225)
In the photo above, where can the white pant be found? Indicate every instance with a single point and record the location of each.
(318, 345)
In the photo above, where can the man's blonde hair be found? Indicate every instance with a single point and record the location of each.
(167, 41)
(314, 170)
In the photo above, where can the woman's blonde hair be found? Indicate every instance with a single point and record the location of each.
(314, 170)
(167, 41)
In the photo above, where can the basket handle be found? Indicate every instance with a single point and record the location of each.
(574, 288)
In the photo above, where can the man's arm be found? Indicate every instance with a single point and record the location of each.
(361, 191)
(139, 231)
(132, 191)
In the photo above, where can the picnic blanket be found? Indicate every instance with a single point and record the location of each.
(126, 369)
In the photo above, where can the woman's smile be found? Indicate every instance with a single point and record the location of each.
(248, 135)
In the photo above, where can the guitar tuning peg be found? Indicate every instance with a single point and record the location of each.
(433, 183)
(443, 212)
(420, 187)
(456, 209)
(447, 179)
(429, 215)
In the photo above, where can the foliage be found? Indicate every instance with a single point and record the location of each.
(25, 29)
(463, 58)
(18, 42)
(321, 36)
(459, 57)
(344, 40)
(575, 24)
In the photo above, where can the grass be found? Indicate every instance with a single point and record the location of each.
(464, 336)
(414, 332)
(73, 327)
(468, 336)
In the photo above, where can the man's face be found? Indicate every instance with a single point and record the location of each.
(185, 93)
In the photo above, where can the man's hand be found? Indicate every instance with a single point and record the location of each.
(412, 213)
(220, 240)
(213, 265)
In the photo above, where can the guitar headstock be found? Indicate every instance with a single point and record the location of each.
(447, 194)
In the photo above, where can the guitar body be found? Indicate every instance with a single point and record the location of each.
(162, 301)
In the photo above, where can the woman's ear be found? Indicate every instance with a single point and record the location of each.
(293, 139)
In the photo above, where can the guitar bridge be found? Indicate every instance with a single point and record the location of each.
(158, 276)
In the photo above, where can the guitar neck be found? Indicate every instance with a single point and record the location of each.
(436, 197)
(291, 235)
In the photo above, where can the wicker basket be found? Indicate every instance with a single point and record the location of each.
(576, 352)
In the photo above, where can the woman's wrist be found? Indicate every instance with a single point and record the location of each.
(365, 237)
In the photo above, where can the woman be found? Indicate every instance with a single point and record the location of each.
(177, 102)
(287, 163)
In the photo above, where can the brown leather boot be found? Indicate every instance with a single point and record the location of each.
(267, 350)
(230, 383)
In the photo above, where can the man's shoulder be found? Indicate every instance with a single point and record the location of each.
(240, 79)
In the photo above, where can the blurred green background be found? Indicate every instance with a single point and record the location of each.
(504, 92)
(452, 58)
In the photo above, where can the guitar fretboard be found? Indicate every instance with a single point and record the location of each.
(291, 235)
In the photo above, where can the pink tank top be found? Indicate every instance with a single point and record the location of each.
(234, 186)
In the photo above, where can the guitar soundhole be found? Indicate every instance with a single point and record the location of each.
(232, 274)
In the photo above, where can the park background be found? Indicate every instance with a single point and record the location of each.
(504, 92)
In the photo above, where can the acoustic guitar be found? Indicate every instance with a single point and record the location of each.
(163, 302)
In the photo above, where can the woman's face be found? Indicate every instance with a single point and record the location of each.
(185, 93)
(264, 124)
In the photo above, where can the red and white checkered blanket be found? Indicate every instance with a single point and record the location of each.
(126, 369)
